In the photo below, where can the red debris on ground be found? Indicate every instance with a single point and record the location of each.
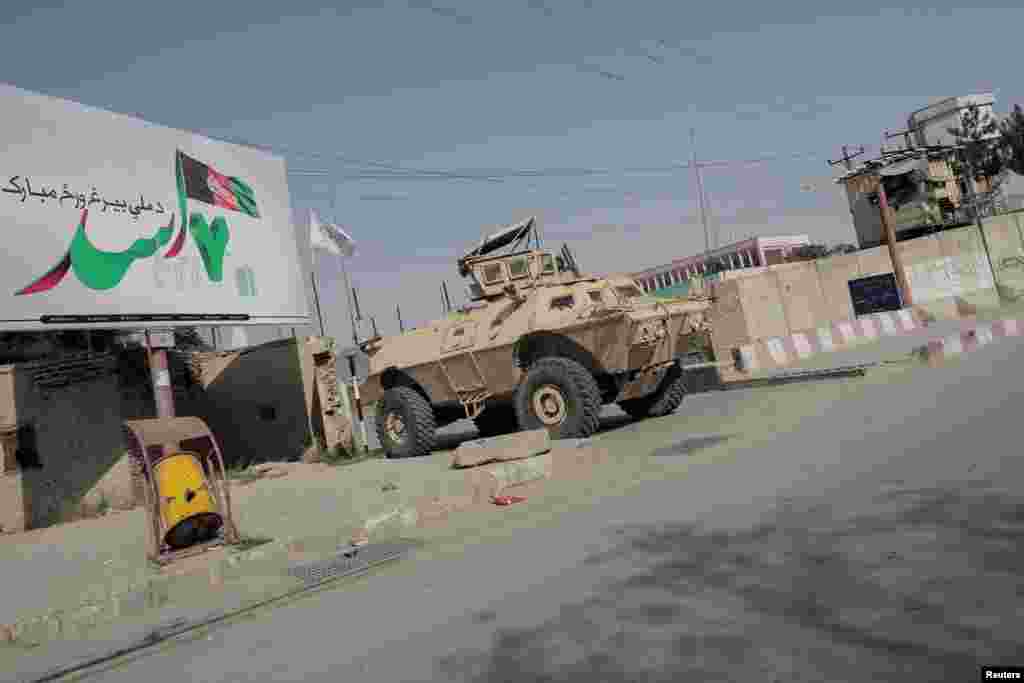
(507, 500)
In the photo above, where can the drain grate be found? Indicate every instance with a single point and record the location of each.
(349, 562)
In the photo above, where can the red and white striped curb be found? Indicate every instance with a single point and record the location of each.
(970, 340)
(778, 352)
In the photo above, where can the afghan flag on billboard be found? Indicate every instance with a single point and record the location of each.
(204, 184)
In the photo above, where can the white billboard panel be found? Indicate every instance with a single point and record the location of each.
(113, 222)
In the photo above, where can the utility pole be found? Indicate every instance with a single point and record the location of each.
(847, 158)
(700, 190)
(890, 237)
(905, 134)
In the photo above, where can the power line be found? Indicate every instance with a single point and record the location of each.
(501, 175)
(383, 170)
(377, 165)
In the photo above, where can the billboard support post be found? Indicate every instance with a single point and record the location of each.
(157, 343)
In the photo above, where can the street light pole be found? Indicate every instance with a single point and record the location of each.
(700, 191)
(973, 193)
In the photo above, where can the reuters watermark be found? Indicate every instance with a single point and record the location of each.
(1002, 673)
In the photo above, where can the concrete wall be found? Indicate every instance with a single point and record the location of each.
(1006, 243)
(70, 459)
(256, 401)
(945, 271)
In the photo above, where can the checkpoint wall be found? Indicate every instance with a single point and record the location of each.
(948, 274)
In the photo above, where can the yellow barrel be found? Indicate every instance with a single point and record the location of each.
(187, 508)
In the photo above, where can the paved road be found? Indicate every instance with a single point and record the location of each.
(879, 543)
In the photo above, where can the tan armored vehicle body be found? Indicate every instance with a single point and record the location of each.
(541, 345)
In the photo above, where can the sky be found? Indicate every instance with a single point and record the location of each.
(382, 109)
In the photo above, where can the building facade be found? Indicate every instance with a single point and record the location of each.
(750, 253)
(923, 187)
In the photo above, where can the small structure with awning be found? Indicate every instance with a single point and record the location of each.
(921, 187)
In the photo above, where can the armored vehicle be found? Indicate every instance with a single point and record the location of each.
(539, 345)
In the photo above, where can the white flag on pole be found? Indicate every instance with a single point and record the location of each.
(329, 237)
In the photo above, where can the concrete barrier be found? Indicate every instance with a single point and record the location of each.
(938, 351)
(779, 352)
(501, 448)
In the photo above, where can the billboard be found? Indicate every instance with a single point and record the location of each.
(113, 222)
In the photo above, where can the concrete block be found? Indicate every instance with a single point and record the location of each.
(502, 448)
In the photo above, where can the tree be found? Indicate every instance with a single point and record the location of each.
(189, 339)
(980, 155)
(809, 252)
(1012, 130)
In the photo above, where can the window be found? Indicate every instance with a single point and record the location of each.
(559, 302)
(595, 295)
(517, 268)
(493, 273)
(548, 264)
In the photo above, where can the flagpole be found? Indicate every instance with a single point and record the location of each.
(351, 304)
(352, 358)
(316, 296)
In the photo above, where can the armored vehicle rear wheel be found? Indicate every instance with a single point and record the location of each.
(662, 401)
(496, 420)
(405, 423)
(558, 394)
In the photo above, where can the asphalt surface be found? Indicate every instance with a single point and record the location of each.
(880, 542)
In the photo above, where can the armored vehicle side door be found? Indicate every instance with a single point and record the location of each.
(458, 363)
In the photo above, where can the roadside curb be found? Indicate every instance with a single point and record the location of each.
(937, 351)
(780, 352)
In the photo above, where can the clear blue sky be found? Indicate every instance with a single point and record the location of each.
(515, 85)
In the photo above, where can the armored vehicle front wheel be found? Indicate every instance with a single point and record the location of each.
(662, 401)
(405, 423)
(558, 394)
